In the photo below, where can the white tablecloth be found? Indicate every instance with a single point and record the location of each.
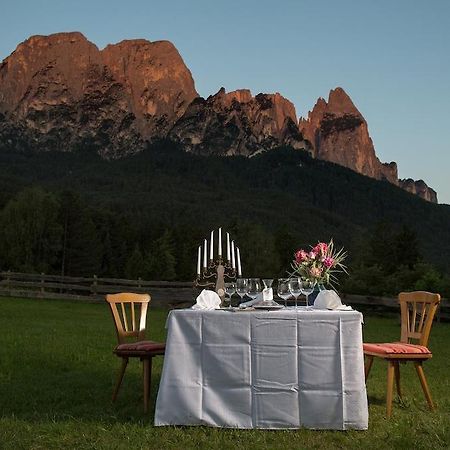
(261, 369)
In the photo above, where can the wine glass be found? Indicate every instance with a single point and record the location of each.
(254, 287)
(295, 288)
(307, 286)
(242, 287)
(267, 282)
(230, 289)
(283, 290)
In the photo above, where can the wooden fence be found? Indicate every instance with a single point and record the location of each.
(169, 294)
(164, 293)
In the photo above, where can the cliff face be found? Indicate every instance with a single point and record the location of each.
(158, 85)
(419, 188)
(61, 92)
(236, 123)
(338, 133)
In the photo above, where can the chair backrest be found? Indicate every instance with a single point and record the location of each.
(417, 311)
(131, 325)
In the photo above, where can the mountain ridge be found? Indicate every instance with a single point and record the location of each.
(60, 92)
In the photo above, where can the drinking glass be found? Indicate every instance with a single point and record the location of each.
(307, 286)
(267, 282)
(254, 287)
(242, 287)
(283, 290)
(295, 288)
(230, 289)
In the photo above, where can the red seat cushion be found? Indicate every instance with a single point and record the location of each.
(141, 346)
(393, 348)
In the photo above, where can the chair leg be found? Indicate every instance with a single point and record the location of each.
(397, 379)
(390, 386)
(120, 378)
(423, 382)
(147, 364)
(368, 367)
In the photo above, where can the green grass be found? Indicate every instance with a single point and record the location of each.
(57, 373)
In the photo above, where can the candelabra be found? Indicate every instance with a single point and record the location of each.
(216, 270)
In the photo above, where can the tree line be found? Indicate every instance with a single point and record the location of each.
(144, 216)
(59, 233)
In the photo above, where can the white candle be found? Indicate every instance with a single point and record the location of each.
(220, 241)
(199, 259)
(204, 254)
(233, 261)
(228, 247)
(239, 261)
(211, 246)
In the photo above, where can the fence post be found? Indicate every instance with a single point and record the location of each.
(42, 284)
(8, 280)
(94, 286)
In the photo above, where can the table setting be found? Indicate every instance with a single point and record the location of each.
(242, 357)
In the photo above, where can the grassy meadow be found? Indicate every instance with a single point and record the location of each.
(57, 372)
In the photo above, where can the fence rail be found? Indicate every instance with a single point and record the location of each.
(164, 293)
(169, 294)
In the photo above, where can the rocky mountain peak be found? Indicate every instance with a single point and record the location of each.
(419, 188)
(240, 96)
(340, 103)
(158, 84)
(339, 133)
(236, 123)
(60, 92)
(62, 88)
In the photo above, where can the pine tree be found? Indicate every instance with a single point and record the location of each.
(136, 266)
(30, 235)
(162, 258)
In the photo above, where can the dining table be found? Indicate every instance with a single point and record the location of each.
(267, 369)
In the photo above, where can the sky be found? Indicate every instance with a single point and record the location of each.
(391, 57)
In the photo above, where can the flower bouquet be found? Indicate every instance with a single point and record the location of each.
(320, 265)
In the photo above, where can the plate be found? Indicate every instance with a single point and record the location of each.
(268, 307)
(341, 308)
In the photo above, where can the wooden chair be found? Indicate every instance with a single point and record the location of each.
(417, 313)
(133, 329)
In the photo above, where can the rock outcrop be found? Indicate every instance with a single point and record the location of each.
(339, 133)
(419, 188)
(61, 92)
(236, 123)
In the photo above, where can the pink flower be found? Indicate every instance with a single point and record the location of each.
(315, 272)
(321, 248)
(312, 254)
(301, 256)
(328, 262)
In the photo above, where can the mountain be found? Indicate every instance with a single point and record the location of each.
(60, 92)
(339, 133)
(419, 188)
(236, 123)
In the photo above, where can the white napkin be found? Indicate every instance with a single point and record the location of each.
(207, 300)
(252, 302)
(328, 299)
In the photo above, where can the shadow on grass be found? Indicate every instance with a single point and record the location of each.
(61, 389)
(376, 400)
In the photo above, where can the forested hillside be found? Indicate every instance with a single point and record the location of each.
(145, 215)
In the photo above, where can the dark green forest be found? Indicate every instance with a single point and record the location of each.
(145, 215)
